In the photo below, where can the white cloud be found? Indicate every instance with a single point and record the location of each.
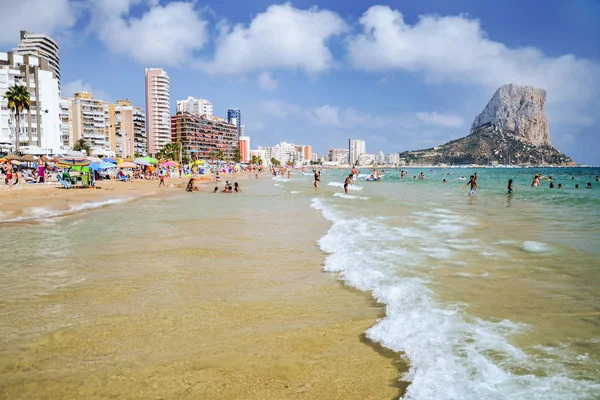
(280, 109)
(327, 115)
(39, 16)
(280, 37)
(70, 88)
(455, 48)
(441, 120)
(164, 35)
(267, 83)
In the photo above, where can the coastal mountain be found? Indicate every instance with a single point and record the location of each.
(511, 129)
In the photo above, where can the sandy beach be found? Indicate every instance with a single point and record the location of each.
(240, 309)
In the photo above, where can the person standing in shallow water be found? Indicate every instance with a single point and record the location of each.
(317, 179)
(510, 186)
(473, 184)
(347, 182)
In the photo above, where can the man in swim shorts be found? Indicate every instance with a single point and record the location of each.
(354, 173)
(473, 184)
(347, 182)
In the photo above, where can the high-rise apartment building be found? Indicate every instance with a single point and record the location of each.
(127, 129)
(356, 147)
(42, 46)
(202, 137)
(195, 106)
(234, 117)
(244, 148)
(158, 112)
(40, 125)
(89, 121)
(339, 156)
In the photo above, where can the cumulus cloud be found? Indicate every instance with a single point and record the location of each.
(39, 16)
(79, 85)
(280, 37)
(280, 109)
(267, 83)
(441, 120)
(164, 35)
(456, 48)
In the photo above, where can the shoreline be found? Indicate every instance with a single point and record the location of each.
(202, 316)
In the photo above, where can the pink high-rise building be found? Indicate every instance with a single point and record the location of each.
(244, 146)
(158, 109)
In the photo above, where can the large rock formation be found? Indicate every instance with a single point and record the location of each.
(518, 111)
(511, 130)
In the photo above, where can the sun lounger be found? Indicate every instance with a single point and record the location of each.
(64, 182)
(124, 178)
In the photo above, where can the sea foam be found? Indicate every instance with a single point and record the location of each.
(350, 187)
(452, 355)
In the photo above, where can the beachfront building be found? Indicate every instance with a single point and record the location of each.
(244, 146)
(40, 130)
(42, 46)
(366, 159)
(380, 158)
(127, 129)
(338, 156)
(158, 109)
(262, 156)
(243, 130)
(284, 153)
(307, 153)
(86, 118)
(234, 117)
(195, 106)
(356, 147)
(393, 158)
(202, 137)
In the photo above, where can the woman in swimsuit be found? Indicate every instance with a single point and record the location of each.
(347, 182)
(317, 179)
(510, 186)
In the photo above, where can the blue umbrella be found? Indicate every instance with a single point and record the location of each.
(109, 160)
(141, 161)
(103, 165)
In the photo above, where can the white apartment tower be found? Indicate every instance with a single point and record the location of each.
(195, 106)
(356, 147)
(40, 130)
(158, 111)
(42, 46)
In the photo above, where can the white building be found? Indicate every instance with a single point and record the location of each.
(40, 130)
(262, 154)
(380, 158)
(356, 147)
(195, 106)
(393, 158)
(41, 46)
(158, 109)
(366, 159)
(284, 152)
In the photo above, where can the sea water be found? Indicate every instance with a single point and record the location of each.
(493, 296)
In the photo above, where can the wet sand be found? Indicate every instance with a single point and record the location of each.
(239, 310)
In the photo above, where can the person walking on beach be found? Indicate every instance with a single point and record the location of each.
(473, 184)
(317, 178)
(347, 182)
(161, 176)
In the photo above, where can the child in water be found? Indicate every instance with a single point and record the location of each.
(510, 186)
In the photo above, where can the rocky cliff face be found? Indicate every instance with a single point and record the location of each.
(517, 111)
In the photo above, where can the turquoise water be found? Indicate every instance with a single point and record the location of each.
(488, 296)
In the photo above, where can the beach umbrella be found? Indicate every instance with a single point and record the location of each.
(15, 162)
(11, 157)
(73, 161)
(94, 159)
(142, 161)
(168, 164)
(149, 159)
(127, 164)
(109, 160)
(28, 158)
(101, 165)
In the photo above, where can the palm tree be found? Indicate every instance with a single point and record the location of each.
(18, 101)
(82, 145)
(220, 154)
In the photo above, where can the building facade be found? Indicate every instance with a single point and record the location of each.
(88, 121)
(195, 106)
(261, 155)
(40, 128)
(127, 129)
(393, 158)
(158, 112)
(234, 117)
(339, 156)
(356, 147)
(34, 44)
(202, 137)
(244, 146)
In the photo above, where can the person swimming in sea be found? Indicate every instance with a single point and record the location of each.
(551, 185)
(536, 181)
(347, 182)
(473, 184)
(237, 188)
(589, 185)
(560, 185)
(510, 186)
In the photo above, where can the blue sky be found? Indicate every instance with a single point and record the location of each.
(399, 74)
